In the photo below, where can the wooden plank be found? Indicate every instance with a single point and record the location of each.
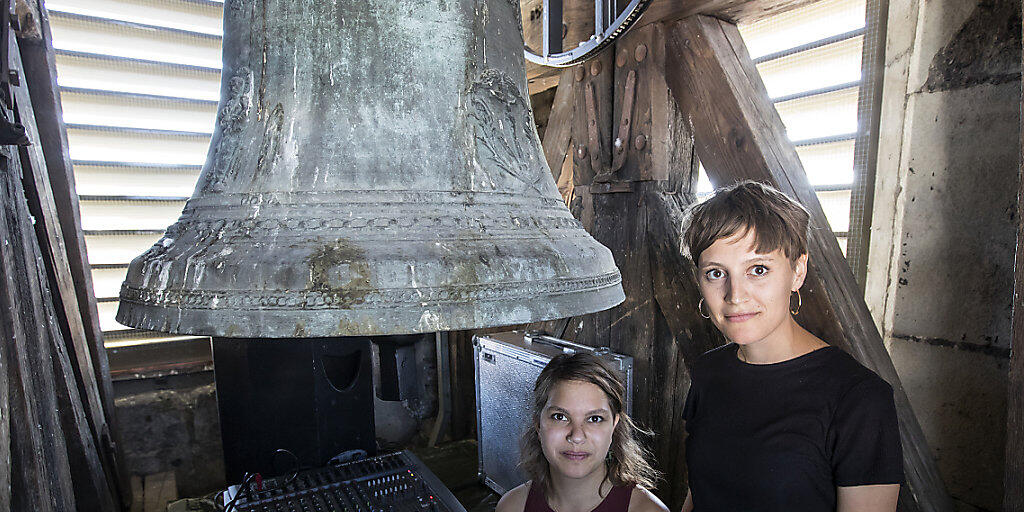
(159, 490)
(40, 78)
(68, 433)
(739, 135)
(6, 341)
(578, 21)
(1013, 481)
(78, 435)
(559, 130)
(543, 79)
(44, 208)
(41, 476)
(138, 495)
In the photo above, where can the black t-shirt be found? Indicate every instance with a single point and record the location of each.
(782, 436)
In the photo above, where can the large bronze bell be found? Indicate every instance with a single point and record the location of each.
(374, 170)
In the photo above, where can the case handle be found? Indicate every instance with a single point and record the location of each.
(566, 346)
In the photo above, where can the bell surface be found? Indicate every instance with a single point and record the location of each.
(375, 169)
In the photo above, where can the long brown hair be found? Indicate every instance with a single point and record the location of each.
(627, 463)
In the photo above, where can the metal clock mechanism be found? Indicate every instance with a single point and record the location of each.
(611, 20)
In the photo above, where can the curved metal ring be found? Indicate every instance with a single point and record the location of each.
(596, 43)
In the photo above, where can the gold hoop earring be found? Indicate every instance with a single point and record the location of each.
(799, 302)
(700, 309)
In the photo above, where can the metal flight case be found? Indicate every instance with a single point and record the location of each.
(507, 365)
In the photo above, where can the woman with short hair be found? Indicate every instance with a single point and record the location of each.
(580, 450)
(777, 420)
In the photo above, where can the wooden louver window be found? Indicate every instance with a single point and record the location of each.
(139, 82)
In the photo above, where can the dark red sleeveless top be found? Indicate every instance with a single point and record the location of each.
(616, 501)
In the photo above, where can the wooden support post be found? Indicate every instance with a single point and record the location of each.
(6, 337)
(739, 135)
(633, 170)
(80, 377)
(39, 77)
(40, 472)
(44, 209)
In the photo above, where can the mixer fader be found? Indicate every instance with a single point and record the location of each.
(397, 482)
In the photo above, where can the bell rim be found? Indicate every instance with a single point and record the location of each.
(373, 321)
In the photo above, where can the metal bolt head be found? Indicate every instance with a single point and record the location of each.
(580, 73)
(595, 68)
(640, 53)
(639, 142)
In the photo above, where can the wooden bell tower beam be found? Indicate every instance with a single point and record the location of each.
(739, 135)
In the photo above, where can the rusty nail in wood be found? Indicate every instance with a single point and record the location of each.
(580, 73)
(595, 68)
(641, 52)
(640, 142)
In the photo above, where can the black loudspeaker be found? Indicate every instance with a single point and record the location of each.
(287, 404)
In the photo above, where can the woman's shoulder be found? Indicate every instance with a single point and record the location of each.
(643, 500)
(515, 499)
(851, 375)
(713, 360)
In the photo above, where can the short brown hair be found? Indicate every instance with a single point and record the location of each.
(628, 460)
(778, 221)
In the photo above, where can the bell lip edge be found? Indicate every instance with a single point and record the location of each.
(154, 318)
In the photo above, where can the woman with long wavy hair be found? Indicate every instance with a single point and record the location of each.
(580, 449)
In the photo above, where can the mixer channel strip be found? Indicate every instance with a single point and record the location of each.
(397, 482)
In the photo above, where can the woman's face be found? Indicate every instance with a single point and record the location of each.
(746, 292)
(576, 428)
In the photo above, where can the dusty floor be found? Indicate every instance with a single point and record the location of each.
(456, 465)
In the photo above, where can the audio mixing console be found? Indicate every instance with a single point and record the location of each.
(397, 482)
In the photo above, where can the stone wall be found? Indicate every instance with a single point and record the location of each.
(940, 272)
(171, 424)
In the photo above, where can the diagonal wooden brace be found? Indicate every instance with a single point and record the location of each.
(739, 135)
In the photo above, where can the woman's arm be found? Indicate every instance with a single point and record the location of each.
(863, 498)
(688, 504)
